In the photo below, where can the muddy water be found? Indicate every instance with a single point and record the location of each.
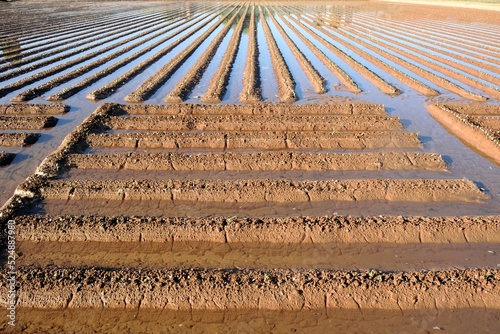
(258, 320)
(181, 254)
(409, 107)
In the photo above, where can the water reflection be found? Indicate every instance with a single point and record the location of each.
(11, 49)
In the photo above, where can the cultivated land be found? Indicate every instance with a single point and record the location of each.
(250, 166)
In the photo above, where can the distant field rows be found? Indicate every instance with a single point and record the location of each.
(170, 52)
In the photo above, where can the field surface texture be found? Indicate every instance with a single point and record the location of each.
(249, 166)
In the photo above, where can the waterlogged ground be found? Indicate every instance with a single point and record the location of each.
(243, 133)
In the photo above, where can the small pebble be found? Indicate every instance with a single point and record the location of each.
(491, 252)
(437, 328)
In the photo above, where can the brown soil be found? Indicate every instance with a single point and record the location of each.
(111, 88)
(259, 161)
(463, 124)
(416, 56)
(217, 86)
(256, 123)
(27, 122)
(70, 91)
(251, 92)
(367, 73)
(257, 139)
(147, 88)
(280, 231)
(146, 321)
(266, 190)
(59, 288)
(18, 139)
(33, 109)
(193, 76)
(286, 84)
(316, 80)
(6, 158)
(303, 109)
(437, 80)
(337, 71)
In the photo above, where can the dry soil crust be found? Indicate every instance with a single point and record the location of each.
(18, 139)
(260, 109)
(254, 191)
(33, 109)
(186, 289)
(26, 122)
(290, 230)
(259, 161)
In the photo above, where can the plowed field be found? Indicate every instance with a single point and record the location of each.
(232, 166)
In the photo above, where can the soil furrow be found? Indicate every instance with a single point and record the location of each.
(251, 92)
(435, 36)
(33, 109)
(281, 231)
(257, 255)
(336, 70)
(113, 86)
(151, 85)
(259, 191)
(471, 82)
(18, 139)
(70, 91)
(27, 122)
(217, 86)
(406, 43)
(257, 139)
(6, 158)
(217, 289)
(255, 123)
(286, 84)
(96, 42)
(80, 37)
(56, 69)
(316, 80)
(260, 161)
(473, 109)
(193, 76)
(443, 42)
(480, 138)
(363, 70)
(261, 109)
(39, 90)
(434, 78)
(401, 76)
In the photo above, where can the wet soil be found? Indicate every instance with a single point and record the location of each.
(249, 233)
(480, 133)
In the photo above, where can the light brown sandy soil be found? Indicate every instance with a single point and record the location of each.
(251, 92)
(304, 230)
(26, 122)
(193, 76)
(111, 87)
(18, 139)
(367, 73)
(147, 88)
(336, 70)
(259, 161)
(256, 123)
(255, 191)
(33, 109)
(315, 78)
(462, 121)
(206, 270)
(59, 288)
(217, 85)
(286, 84)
